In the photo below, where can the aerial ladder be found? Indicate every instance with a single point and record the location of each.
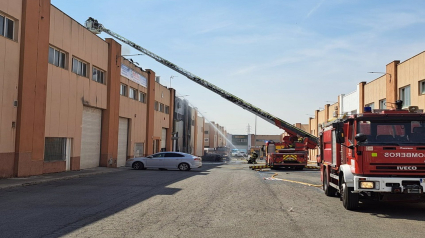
(295, 134)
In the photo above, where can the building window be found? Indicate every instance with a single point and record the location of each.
(7, 26)
(206, 139)
(193, 122)
(98, 75)
(161, 107)
(205, 132)
(123, 90)
(79, 67)
(57, 57)
(156, 107)
(405, 96)
(167, 110)
(382, 103)
(132, 93)
(422, 87)
(54, 149)
(142, 97)
(371, 105)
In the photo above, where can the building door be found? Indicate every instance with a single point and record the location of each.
(139, 150)
(163, 139)
(90, 138)
(122, 141)
(68, 154)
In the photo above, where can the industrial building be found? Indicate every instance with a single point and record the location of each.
(70, 101)
(399, 81)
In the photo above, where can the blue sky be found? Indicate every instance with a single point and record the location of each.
(288, 58)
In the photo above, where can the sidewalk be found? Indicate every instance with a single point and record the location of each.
(18, 182)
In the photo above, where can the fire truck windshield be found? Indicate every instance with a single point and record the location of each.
(392, 132)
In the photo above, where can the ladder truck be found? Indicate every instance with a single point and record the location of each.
(305, 141)
(378, 155)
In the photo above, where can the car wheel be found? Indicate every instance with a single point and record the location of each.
(184, 167)
(329, 190)
(138, 165)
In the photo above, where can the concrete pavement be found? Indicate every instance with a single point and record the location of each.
(32, 180)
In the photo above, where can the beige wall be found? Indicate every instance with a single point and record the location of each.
(322, 117)
(333, 108)
(410, 72)
(134, 110)
(68, 92)
(261, 138)
(162, 95)
(375, 91)
(9, 76)
(207, 128)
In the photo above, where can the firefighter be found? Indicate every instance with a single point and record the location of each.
(253, 158)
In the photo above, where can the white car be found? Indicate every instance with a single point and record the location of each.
(166, 160)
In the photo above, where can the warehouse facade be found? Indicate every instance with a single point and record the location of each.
(69, 100)
(400, 81)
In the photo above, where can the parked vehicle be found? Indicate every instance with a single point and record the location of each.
(223, 151)
(374, 155)
(212, 157)
(166, 160)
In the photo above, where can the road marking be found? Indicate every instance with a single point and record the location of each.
(291, 181)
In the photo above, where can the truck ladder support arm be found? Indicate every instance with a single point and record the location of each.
(95, 27)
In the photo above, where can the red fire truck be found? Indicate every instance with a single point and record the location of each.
(288, 154)
(376, 155)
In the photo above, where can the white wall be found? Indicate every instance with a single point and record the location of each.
(349, 102)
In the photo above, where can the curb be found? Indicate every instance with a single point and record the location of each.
(38, 180)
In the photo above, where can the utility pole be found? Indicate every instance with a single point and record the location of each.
(248, 129)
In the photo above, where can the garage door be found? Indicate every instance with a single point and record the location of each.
(122, 141)
(90, 138)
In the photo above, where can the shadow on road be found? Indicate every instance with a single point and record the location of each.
(57, 208)
(394, 210)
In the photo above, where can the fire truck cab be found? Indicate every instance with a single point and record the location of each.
(376, 155)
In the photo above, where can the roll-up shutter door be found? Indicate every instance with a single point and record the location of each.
(90, 138)
(122, 141)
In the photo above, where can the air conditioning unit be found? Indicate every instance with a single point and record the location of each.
(157, 79)
(335, 114)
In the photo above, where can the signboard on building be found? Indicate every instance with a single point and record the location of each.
(240, 140)
(133, 76)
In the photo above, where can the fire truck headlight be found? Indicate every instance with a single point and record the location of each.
(367, 184)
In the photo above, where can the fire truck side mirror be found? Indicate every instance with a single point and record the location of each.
(361, 137)
(339, 132)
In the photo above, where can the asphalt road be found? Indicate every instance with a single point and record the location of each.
(219, 200)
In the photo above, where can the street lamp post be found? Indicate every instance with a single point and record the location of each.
(381, 73)
(171, 77)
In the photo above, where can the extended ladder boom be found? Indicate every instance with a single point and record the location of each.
(97, 28)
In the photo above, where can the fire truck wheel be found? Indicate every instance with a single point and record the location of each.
(299, 167)
(329, 190)
(349, 200)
